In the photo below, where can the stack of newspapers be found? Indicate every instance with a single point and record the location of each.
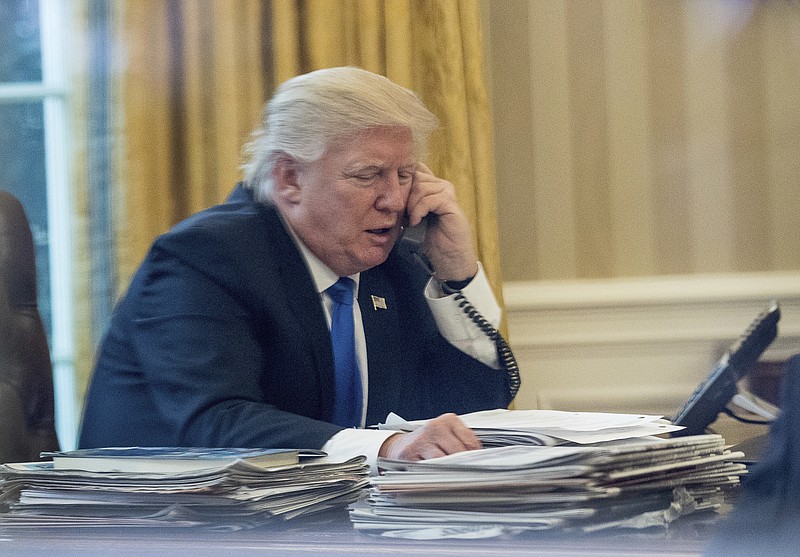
(570, 472)
(225, 489)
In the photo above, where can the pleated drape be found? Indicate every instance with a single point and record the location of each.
(192, 89)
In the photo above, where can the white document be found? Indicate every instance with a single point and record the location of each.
(576, 427)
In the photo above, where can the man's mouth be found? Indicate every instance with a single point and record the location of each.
(380, 231)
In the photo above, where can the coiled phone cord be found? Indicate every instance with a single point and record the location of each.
(504, 353)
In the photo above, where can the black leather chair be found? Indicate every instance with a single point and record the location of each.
(27, 424)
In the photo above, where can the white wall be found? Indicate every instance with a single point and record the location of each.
(637, 345)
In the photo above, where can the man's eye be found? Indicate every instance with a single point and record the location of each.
(406, 177)
(362, 176)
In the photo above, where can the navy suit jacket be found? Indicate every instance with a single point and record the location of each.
(766, 515)
(221, 340)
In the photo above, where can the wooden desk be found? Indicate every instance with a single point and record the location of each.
(332, 535)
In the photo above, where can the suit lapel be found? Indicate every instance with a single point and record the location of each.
(378, 302)
(303, 300)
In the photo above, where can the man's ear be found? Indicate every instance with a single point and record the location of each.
(285, 179)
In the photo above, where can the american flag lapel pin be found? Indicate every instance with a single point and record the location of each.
(378, 302)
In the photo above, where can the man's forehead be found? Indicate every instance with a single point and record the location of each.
(376, 147)
(397, 134)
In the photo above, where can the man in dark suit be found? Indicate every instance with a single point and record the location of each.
(766, 515)
(223, 336)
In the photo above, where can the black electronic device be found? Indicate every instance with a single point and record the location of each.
(714, 393)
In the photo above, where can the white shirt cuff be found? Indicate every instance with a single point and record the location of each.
(457, 327)
(353, 442)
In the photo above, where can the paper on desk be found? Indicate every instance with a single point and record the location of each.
(508, 458)
(577, 427)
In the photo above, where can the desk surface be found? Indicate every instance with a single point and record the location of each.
(332, 535)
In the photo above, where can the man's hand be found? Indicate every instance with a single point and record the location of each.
(441, 436)
(448, 243)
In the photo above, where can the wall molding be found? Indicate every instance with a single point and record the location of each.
(637, 344)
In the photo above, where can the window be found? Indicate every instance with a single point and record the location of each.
(34, 166)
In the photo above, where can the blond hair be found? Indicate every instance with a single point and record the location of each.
(309, 111)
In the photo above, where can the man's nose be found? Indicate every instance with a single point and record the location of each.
(394, 195)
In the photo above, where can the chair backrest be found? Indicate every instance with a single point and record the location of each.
(27, 424)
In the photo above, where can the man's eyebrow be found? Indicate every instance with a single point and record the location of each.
(363, 165)
(376, 165)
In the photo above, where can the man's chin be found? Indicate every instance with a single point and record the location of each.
(376, 257)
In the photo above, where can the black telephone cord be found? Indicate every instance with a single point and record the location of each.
(744, 420)
(504, 353)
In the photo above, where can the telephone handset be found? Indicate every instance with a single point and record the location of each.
(410, 244)
(410, 247)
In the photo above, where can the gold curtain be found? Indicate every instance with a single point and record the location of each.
(79, 110)
(432, 47)
(191, 92)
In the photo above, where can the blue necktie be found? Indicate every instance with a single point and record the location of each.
(347, 406)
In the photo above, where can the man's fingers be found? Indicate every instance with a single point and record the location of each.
(429, 194)
(441, 436)
(453, 435)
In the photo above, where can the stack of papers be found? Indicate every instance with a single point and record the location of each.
(589, 472)
(502, 427)
(230, 496)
